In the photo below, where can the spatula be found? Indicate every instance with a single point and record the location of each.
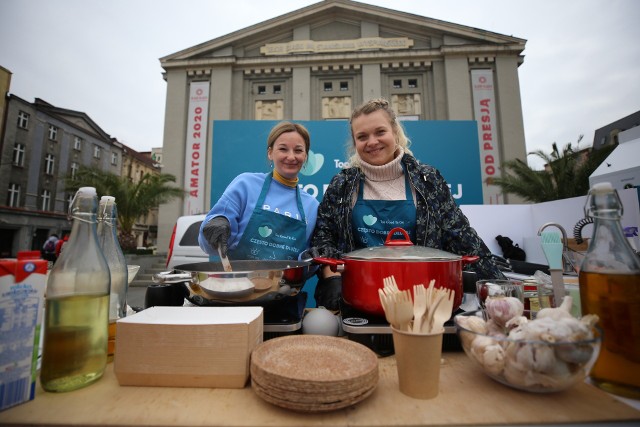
(552, 247)
(225, 261)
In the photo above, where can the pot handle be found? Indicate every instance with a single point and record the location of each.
(398, 242)
(333, 263)
(171, 277)
(469, 259)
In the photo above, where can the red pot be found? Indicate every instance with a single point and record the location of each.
(363, 271)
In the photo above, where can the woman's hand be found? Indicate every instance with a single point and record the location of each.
(217, 232)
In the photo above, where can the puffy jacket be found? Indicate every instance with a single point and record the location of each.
(440, 223)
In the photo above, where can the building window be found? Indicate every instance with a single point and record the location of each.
(262, 90)
(23, 120)
(13, 196)
(328, 86)
(18, 155)
(53, 132)
(277, 89)
(46, 198)
(344, 86)
(96, 152)
(77, 143)
(49, 163)
(114, 158)
(74, 169)
(406, 96)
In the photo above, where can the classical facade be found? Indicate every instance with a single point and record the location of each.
(42, 145)
(318, 62)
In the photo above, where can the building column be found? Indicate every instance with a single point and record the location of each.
(458, 87)
(301, 93)
(173, 147)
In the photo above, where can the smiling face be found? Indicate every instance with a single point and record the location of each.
(288, 154)
(374, 138)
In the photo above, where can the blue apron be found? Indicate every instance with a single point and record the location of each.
(270, 235)
(374, 219)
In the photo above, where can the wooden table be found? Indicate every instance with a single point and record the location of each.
(467, 398)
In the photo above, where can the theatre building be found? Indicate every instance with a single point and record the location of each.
(316, 64)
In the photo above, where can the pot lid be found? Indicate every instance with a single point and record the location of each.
(401, 250)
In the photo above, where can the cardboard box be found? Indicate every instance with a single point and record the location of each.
(187, 346)
(22, 286)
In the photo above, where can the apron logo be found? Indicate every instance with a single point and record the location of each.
(313, 164)
(264, 231)
(369, 219)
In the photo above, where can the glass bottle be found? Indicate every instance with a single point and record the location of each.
(108, 239)
(74, 351)
(610, 288)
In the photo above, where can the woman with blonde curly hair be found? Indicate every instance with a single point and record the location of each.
(385, 187)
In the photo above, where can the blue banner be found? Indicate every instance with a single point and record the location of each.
(450, 146)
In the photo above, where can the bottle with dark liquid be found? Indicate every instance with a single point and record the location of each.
(108, 239)
(74, 352)
(610, 288)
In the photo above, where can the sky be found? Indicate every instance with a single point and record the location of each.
(580, 72)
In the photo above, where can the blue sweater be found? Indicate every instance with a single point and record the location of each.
(239, 200)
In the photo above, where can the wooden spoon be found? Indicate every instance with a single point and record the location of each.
(225, 261)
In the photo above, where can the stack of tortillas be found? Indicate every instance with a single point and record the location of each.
(313, 372)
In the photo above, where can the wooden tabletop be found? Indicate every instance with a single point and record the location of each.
(467, 398)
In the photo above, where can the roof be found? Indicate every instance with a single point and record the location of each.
(281, 28)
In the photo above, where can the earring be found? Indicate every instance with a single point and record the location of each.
(271, 165)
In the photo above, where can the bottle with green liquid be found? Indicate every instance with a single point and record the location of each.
(74, 351)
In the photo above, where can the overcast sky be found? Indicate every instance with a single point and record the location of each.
(581, 69)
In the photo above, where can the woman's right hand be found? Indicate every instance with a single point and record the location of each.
(217, 232)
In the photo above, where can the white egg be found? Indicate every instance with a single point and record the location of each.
(320, 321)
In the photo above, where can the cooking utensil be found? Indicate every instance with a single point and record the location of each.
(225, 261)
(552, 247)
(441, 311)
(419, 307)
(267, 277)
(363, 270)
(403, 310)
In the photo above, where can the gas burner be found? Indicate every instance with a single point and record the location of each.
(374, 331)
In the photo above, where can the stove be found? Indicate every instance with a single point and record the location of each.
(282, 313)
(375, 333)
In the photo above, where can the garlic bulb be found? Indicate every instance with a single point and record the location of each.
(501, 309)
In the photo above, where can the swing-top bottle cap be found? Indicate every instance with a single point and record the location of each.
(86, 192)
(107, 199)
(601, 187)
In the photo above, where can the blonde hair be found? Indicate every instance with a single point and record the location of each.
(284, 127)
(369, 107)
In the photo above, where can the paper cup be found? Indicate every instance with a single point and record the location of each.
(418, 361)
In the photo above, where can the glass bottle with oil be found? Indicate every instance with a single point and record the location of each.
(610, 288)
(74, 352)
(108, 240)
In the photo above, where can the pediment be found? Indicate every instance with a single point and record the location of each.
(75, 118)
(334, 20)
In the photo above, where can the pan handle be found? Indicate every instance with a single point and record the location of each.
(170, 277)
(336, 265)
(469, 259)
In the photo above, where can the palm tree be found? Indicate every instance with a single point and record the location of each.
(566, 174)
(134, 199)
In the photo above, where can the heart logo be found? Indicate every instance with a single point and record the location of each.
(369, 219)
(313, 164)
(264, 231)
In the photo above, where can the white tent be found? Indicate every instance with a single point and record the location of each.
(622, 167)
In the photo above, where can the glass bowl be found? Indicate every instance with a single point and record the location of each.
(534, 366)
